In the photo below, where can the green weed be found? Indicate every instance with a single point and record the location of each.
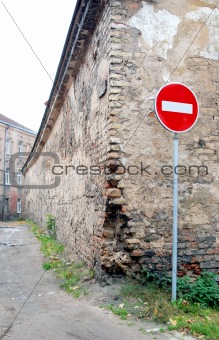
(51, 265)
(204, 289)
(122, 312)
(150, 302)
(51, 225)
(71, 273)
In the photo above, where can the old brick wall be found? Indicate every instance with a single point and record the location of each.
(122, 219)
(154, 42)
(79, 138)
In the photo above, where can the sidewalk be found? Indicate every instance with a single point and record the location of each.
(49, 313)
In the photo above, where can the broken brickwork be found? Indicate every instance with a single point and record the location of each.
(121, 219)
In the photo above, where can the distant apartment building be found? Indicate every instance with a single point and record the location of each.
(16, 142)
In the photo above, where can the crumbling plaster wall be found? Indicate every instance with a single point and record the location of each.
(155, 42)
(118, 220)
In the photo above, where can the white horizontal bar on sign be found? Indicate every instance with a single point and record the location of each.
(177, 107)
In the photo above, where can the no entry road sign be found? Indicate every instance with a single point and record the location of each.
(176, 107)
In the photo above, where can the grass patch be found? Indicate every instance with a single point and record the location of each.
(71, 273)
(49, 246)
(51, 265)
(150, 302)
(121, 311)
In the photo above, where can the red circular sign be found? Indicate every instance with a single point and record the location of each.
(176, 107)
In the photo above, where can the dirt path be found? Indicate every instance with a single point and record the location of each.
(50, 313)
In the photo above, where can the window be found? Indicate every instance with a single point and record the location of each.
(8, 147)
(19, 206)
(7, 177)
(20, 148)
(19, 178)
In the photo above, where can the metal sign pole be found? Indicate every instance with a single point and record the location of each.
(175, 216)
(177, 110)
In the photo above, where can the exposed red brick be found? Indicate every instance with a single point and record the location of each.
(107, 185)
(134, 5)
(151, 114)
(137, 253)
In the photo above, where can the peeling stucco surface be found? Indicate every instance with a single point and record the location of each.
(211, 50)
(158, 28)
(125, 220)
(210, 2)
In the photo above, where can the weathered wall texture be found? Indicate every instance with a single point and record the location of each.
(124, 220)
(156, 42)
(79, 138)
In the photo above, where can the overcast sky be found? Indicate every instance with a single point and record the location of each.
(24, 84)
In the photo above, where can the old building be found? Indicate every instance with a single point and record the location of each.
(16, 142)
(102, 163)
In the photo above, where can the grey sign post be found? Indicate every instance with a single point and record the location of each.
(175, 216)
(177, 110)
